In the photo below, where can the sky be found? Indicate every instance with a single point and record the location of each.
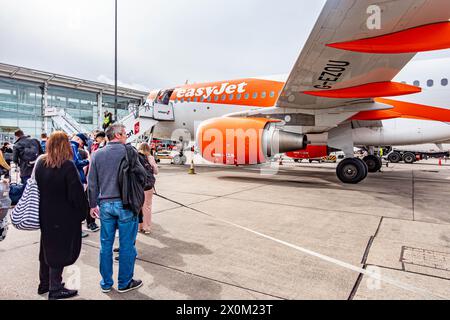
(162, 43)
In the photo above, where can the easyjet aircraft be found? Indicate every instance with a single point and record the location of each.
(340, 93)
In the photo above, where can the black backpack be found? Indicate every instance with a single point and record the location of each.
(150, 177)
(132, 178)
(31, 152)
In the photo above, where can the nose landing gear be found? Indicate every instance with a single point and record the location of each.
(179, 159)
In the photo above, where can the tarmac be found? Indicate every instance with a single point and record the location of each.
(249, 234)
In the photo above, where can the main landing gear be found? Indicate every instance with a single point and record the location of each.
(352, 170)
(373, 163)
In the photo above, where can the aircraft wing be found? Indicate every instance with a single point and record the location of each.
(357, 47)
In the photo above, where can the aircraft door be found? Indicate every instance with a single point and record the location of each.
(163, 107)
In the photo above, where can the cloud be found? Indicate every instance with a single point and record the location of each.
(161, 43)
(104, 79)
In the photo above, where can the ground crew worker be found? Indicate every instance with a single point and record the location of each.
(107, 120)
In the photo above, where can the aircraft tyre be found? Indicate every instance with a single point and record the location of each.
(374, 163)
(352, 170)
(179, 160)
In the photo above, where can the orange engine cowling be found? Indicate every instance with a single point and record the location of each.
(310, 152)
(245, 141)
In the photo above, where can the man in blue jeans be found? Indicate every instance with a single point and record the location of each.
(106, 205)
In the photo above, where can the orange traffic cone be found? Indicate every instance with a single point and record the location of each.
(440, 162)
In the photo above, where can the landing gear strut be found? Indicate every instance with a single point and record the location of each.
(373, 163)
(352, 170)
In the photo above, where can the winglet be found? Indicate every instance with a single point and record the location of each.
(429, 37)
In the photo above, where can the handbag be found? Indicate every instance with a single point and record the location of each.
(25, 215)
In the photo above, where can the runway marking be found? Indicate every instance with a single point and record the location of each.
(334, 261)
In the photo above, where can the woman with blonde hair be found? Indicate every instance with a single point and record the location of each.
(148, 161)
(62, 208)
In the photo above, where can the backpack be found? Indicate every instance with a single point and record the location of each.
(150, 177)
(8, 156)
(132, 178)
(15, 192)
(31, 152)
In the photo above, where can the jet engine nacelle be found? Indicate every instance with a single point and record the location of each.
(245, 141)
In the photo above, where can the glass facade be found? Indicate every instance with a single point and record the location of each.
(21, 105)
(122, 106)
(81, 105)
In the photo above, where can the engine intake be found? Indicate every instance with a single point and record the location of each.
(245, 141)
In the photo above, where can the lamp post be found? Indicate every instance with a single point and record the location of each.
(115, 60)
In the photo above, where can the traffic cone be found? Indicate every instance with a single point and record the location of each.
(440, 162)
(192, 169)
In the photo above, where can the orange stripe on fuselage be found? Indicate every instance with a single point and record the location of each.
(244, 92)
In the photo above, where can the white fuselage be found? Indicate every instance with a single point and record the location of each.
(393, 132)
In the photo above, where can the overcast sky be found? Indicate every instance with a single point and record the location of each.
(162, 43)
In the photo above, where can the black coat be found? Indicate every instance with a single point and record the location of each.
(132, 177)
(20, 146)
(63, 206)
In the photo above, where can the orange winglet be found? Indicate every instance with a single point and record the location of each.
(370, 90)
(429, 37)
(377, 115)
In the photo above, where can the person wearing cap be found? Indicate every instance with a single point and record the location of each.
(79, 141)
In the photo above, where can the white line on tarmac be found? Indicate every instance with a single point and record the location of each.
(342, 264)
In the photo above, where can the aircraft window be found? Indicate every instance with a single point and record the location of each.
(430, 83)
(416, 83)
(182, 101)
(216, 98)
(195, 99)
(231, 97)
(202, 99)
(444, 82)
(224, 97)
(272, 94)
(238, 97)
(255, 95)
(209, 99)
(247, 96)
(264, 95)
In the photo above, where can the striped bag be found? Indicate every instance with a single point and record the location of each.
(25, 215)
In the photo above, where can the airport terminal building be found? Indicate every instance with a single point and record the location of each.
(26, 93)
